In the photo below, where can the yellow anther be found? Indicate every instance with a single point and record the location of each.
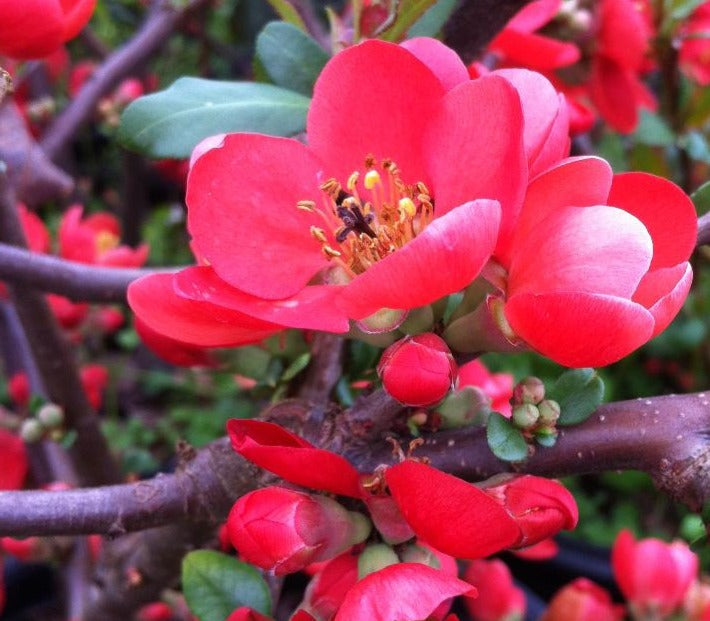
(331, 186)
(422, 189)
(330, 252)
(306, 205)
(352, 181)
(425, 199)
(319, 234)
(372, 178)
(406, 205)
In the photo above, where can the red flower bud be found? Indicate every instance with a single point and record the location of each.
(19, 389)
(582, 600)
(283, 530)
(247, 614)
(157, 611)
(653, 575)
(498, 598)
(540, 507)
(418, 370)
(13, 461)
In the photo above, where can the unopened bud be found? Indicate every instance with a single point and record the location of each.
(529, 390)
(419, 554)
(50, 415)
(32, 431)
(549, 411)
(468, 406)
(418, 370)
(375, 557)
(525, 415)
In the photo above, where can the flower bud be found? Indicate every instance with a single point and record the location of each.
(540, 507)
(418, 370)
(419, 554)
(498, 598)
(283, 531)
(32, 431)
(375, 557)
(50, 415)
(582, 600)
(468, 406)
(529, 390)
(549, 411)
(653, 575)
(525, 415)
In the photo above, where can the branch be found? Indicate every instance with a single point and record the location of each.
(667, 437)
(703, 230)
(162, 21)
(77, 281)
(54, 358)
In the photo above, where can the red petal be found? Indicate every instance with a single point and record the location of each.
(663, 292)
(271, 447)
(372, 98)
(36, 233)
(612, 88)
(13, 461)
(312, 308)
(77, 13)
(541, 113)
(579, 329)
(242, 213)
(442, 60)
(575, 182)
(669, 215)
(246, 614)
(156, 303)
(534, 51)
(534, 15)
(474, 148)
(448, 513)
(595, 250)
(443, 259)
(171, 350)
(31, 28)
(401, 592)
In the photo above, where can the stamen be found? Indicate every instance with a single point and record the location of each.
(319, 234)
(330, 252)
(372, 178)
(352, 181)
(306, 205)
(407, 206)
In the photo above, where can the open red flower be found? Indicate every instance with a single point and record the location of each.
(695, 46)
(582, 600)
(35, 28)
(409, 175)
(599, 264)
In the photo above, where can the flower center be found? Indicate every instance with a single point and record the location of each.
(105, 241)
(369, 221)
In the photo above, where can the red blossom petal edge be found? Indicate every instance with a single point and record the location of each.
(289, 456)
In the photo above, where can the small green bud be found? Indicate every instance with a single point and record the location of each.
(419, 554)
(51, 415)
(529, 390)
(375, 557)
(525, 415)
(549, 411)
(31, 431)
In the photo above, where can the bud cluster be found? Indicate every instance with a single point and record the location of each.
(48, 421)
(535, 415)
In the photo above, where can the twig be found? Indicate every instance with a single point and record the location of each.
(54, 359)
(162, 21)
(703, 229)
(324, 370)
(77, 281)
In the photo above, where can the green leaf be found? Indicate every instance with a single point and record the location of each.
(171, 122)
(215, 585)
(433, 20)
(296, 367)
(701, 198)
(287, 12)
(408, 12)
(653, 131)
(506, 442)
(680, 9)
(579, 392)
(290, 57)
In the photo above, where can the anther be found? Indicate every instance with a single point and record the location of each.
(422, 189)
(330, 252)
(352, 181)
(306, 205)
(406, 205)
(319, 234)
(372, 178)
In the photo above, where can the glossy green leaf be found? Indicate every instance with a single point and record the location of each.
(290, 57)
(701, 198)
(171, 122)
(579, 392)
(215, 585)
(287, 12)
(433, 20)
(653, 130)
(505, 440)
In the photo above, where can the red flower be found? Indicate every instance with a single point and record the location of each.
(13, 461)
(328, 588)
(95, 240)
(345, 226)
(653, 575)
(517, 45)
(582, 600)
(94, 379)
(418, 370)
(283, 531)
(468, 522)
(36, 233)
(419, 592)
(19, 388)
(35, 28)
(599, 264)
(694, 56)
(498, 387)
(498, 598)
